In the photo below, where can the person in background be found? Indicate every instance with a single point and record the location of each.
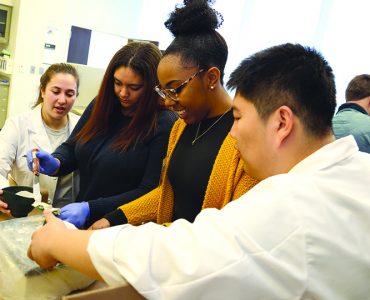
(120, 141)
(202, 167)
(46, 126)
(353, 116)
(300, 233)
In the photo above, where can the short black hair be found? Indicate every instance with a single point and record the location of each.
(292, 75)
(196, 40)
(358, 88)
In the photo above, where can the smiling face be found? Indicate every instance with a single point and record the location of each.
(58, 97)
(192, 105)
(129, 88)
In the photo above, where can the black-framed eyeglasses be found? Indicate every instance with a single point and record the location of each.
(173, 94)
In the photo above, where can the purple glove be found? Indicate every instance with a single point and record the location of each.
(48, 164)
(75, 213)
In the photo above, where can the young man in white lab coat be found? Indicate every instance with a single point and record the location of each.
(301, 233)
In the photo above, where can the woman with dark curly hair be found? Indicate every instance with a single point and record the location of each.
(202, 167)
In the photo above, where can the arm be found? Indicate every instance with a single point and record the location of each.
(157, 151)
(9, 136)
(54, 243)
(141, 210)
(228, 252)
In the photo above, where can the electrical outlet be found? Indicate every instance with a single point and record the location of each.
(32, 69)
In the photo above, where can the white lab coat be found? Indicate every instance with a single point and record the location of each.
(20, 134)
(300, 235)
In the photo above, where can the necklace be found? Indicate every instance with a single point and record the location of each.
(208, 129)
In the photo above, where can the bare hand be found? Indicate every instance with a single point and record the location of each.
(100, 224)
(42, 239)
(3, 205)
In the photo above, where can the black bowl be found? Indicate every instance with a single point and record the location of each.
(19, 206)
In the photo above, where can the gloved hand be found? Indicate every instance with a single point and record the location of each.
(48, 164)
(75, 213)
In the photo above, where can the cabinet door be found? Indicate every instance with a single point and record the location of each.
(5, 17)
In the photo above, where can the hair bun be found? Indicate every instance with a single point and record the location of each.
(194, 17)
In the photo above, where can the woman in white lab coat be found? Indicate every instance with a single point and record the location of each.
(45, 127)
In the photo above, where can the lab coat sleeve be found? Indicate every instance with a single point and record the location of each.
(9, 136)
(230, 253)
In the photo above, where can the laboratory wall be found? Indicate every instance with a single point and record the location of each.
(39, 22)
(338, 29)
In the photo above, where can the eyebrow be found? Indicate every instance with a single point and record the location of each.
(171, 82)
(130, 84)
(59, 88)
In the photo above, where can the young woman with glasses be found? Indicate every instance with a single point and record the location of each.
(202, 167)
(120, 141)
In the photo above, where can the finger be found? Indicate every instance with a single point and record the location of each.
(29, 252)
(49, 216)
(5, 211)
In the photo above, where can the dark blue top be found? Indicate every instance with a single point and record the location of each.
(110, 178)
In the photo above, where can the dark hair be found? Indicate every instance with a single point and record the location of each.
(143, 59)
(358, 88)
(50, 72)
(196, 39)
(292, 75)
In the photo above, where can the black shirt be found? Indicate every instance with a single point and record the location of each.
(191, 165)
(110, 178)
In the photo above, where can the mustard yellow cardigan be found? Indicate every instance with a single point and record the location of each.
(228, 181)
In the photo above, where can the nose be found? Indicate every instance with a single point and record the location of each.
(123, 92)
(168, 102)
(232, 130)
(62, 98)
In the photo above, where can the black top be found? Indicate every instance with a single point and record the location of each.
(110, 178)
(191, 165)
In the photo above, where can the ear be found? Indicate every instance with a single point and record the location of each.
(283, 124)
(213, 77)
(42, 93)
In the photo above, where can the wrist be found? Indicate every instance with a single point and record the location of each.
(57, 165)
(116, 217)
(86, 208)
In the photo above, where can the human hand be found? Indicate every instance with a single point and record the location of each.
(48, 164)
(3, 205)
(75, 213)
(42, 240)
(100, 224)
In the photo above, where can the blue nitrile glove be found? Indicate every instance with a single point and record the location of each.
(48, 164)
(75, 213)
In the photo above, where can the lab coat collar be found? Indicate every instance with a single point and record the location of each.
(37, 129)
(36, 123)
(37, 132)
(328, 155)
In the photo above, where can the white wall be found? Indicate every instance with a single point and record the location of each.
(337, 28)
(36, 17)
